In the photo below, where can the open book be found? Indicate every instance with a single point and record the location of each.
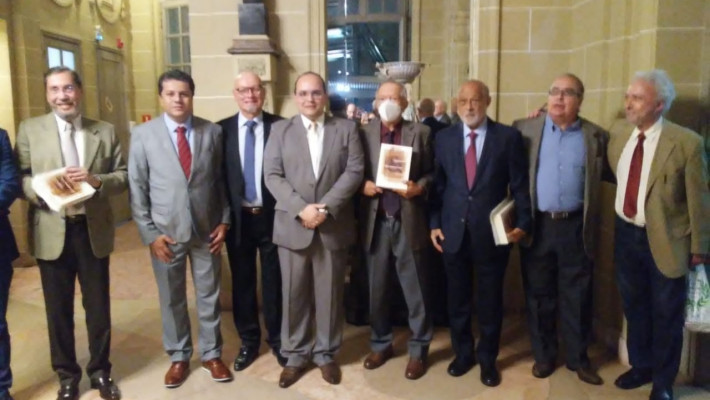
(503, 221)
(58, 199)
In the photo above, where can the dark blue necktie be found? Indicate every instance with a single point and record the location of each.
(249, 163)
(390, 199)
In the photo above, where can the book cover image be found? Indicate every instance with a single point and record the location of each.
(393, 166)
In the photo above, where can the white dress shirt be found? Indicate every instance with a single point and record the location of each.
(258, 154)
(480, 138)
(315, 140)
(622, 172)
(80, 143)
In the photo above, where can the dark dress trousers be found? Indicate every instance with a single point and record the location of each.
(463, 216)
(251, 231)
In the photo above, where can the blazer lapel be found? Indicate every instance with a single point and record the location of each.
(485, 153)
(374, 141)
(168, 147)
(91, 142)
(198, 131)
(300, 145)
(329, 132)
(407, 134)
(538, 125)
(54, 151)
(663, 150)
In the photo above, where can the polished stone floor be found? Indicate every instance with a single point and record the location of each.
(140, 363)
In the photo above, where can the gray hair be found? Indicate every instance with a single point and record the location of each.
(402, 88)
(662, 83)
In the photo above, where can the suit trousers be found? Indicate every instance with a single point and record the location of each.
(556, 270)
(5, 371)
(489, 263)
(171, 279)
(58, 280)
(313, 280)
(256, 235)
(654, 305)
(389, 240)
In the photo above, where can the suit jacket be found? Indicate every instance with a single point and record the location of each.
(445, 119)
(677, 201)
(39, 150)
(9, 190)
(502, 168)
(413, 211)
(289, 176)
(234, 177)
(434, 125)
(596, 165)
(162, 199)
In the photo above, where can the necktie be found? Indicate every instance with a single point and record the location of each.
(314, 147)
(69, 151)
(184, 153)
(632, 184)
(249, 163)
(471, 160)
(390, 199)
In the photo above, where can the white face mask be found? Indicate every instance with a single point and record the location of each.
(389, 110)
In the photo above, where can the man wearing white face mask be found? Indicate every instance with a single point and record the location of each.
(394, 224)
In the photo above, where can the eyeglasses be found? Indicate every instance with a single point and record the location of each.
(69, 89)
(317, 94)
(250, 90)
(569, 92)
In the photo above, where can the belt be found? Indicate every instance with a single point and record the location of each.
(75, 219)
(253, 210)
(557, 215)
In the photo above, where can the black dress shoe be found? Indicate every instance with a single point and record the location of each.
(246, 356)
(69, 391)
(587, 374)
(543, 369)
(490, 375)
(107, 389)
(661, 394)
(633, 378)
(460, 366)
(281, 359)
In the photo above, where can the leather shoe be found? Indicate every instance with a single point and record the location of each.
(69, 391)
(543, 369)
(289, 376)
(246, 356)
(416, 368)
(633, 378)
(107, 389)
(490, 375)
(331, 373)
(661, 394)
(460, 366)
(177, 374)
(377, 359)
(586, 374)
(279, 358)
(217, 369)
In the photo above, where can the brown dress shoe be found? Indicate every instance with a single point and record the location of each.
(589, 375)
(416, 367)
(177, 373)
(289, 376)
(331, 373)
(217, 369)
(377, 359)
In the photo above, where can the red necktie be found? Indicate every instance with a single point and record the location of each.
(184, 152)
(632, 184)
(471, 160)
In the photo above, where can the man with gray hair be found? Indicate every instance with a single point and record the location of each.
(425, 111)
(440, 112)
(662, 229)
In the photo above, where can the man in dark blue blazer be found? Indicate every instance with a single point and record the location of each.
(477, 163)
(245, 135)
(425, 111)
(9, 190)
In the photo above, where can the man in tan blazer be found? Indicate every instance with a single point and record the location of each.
(78, 241)
(662, 228)
(393, 224)
(567, 155)
(313, 165)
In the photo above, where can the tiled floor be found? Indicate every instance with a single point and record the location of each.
(139, 361)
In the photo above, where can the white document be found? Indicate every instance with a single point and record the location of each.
(55, 199)
(394, 165)
(503, 221)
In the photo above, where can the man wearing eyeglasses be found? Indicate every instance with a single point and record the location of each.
(76, 242)
(567, 155)
(245, 135)
(313, 165)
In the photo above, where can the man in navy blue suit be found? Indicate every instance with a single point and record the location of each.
(9, 190)
(477, 162)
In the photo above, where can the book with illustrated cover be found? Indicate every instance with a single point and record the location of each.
(58, 199)
(503, 221)
(393, 167)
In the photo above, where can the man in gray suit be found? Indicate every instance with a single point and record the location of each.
(180, 207)
(393, 224)
(313, 166)
(567, 156)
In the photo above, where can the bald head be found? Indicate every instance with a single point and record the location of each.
(425, 108)
(249, 93)
(439, 108)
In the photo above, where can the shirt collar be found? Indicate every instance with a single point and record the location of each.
(575, 126)
(243, 120)
(307, 122)
(651, 133)
(397, 129)
(172, 125)
(62, 124)
(480, 131)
